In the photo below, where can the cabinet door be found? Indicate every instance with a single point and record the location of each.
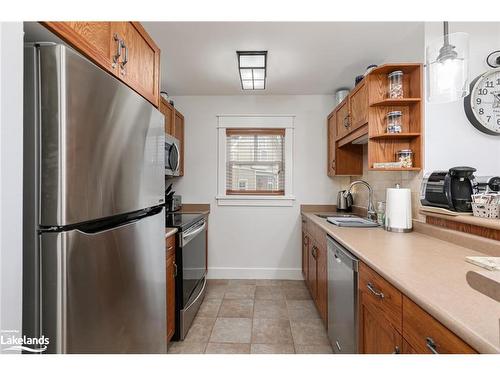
(305, 254)
(322, 282)
(331, 123)
(358, 107)
(342, 119)
(140, 61)
(92, 39)
(179, 134)
(168, 112)
(311, 269)
(170, 287)
(426, 335)
(407, 348)
(376, 334)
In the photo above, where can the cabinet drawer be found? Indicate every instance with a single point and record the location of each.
(381, 295)
(426, 335)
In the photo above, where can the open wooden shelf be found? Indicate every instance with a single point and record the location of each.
(395, 102)
(383, 146)
(394, 135)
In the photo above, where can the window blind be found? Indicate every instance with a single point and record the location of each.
(255, 161)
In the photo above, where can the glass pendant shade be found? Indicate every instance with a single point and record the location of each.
(447, 65)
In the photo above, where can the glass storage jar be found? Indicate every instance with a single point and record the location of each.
(394, 121)
(396, 84)
(405, 157)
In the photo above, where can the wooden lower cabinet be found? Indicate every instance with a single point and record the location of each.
(314, 267)
(426, 335)
(171, 272)
(389, 322)
(305, 255)
(312, 274)
(322, 281)
(376, 334)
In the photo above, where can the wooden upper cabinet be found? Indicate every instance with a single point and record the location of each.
(140, 60)
(179, 134)
(169, 113)
(358, 106)
(342, 119)
(331, 144)
(91, 39)
(122, 48)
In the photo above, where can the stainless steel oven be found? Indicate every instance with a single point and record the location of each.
(172, 156)
(191, 261)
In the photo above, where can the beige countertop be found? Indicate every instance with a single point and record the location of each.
(170, 231)
(431, 272)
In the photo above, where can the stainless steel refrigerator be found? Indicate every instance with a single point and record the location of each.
(94, 244)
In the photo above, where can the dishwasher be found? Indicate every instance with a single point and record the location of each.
(342, 299)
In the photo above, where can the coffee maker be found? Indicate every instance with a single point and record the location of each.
(450, 189)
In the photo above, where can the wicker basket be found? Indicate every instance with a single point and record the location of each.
(489, 211)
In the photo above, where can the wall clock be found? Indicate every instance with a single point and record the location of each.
(482, 105)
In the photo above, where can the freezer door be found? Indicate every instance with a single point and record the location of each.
(101, 144)
(105, 292)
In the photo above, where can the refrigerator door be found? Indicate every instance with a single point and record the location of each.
(105, 292)
(101, 144)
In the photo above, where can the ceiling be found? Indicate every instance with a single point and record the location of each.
(199, 58)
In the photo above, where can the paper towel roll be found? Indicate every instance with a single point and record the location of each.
(398, 217)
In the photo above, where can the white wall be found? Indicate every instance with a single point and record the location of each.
(11, 178)
(255, 242)
(450, 139)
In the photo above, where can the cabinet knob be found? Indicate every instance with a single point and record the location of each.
(396, 350)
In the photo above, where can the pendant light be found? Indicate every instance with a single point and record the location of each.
(447, 65)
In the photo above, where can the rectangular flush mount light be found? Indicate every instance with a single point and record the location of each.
(252, 67)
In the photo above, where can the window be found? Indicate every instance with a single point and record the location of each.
(255, 161)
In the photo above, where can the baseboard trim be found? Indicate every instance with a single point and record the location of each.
(255, 273)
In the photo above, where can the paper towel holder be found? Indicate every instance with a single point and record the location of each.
(398, 228)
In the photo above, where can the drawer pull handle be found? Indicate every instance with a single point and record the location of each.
(396, 350)
(431, 345)
(375, 291)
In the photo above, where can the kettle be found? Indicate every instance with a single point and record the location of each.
(344, 201)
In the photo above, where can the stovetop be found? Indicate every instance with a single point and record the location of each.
(181, 221)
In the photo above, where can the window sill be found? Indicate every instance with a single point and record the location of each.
(256, 200)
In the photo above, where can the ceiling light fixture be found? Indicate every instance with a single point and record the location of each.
(252, 66)
(447, 63)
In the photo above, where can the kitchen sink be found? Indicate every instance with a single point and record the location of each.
(353, 221)
(335, 214)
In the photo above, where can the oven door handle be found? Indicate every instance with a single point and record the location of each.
(188, 236)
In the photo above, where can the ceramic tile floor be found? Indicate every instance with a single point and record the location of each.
(255, 316)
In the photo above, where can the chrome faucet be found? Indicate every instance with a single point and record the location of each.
(371, 213)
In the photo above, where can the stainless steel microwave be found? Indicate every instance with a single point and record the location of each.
(172, 156)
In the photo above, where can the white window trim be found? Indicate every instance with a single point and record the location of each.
(286, 122)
